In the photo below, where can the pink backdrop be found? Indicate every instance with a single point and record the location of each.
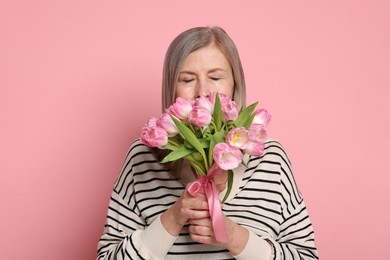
(78, 79)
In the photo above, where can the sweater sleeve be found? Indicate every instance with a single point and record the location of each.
(296, 236)
(127, 235)
(256, 248)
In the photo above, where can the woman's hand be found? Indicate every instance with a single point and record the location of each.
(201, 231)
(185, 208)
(220, 179)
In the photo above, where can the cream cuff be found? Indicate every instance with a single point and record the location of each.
(156, 239)
(256, 248)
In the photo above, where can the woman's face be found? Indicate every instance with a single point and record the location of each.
(205, 70)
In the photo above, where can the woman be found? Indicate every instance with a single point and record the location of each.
(151, 215)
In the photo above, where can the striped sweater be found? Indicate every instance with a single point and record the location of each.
(264, 199)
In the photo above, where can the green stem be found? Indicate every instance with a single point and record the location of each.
(205, 162)
(170, 141)
(202, 132)
(215, 127)
(192, 128)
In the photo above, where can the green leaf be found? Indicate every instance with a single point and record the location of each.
(207, 131)
(170, 147)
(229, 185)
(196, 155)
(212, 144)
(249, 121)
(205, 142)
(177, 154)
(188, 135)
(244, 164)
(188, 144)
(198, 166)
(245, 115)
(217, 113)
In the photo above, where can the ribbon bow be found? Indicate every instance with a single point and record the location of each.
(208, 184)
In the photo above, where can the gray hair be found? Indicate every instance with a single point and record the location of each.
(190, 41)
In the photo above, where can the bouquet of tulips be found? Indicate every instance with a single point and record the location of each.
(209, 132)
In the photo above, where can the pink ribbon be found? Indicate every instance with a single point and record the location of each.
(208, 184)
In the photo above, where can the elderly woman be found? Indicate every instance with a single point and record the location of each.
(152, 215)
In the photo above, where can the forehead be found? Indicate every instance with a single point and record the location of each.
(207, 57)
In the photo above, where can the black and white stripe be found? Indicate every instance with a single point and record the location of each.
(268, 203)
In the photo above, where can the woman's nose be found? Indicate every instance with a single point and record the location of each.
(203, 88)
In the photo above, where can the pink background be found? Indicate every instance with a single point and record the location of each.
(78, 79)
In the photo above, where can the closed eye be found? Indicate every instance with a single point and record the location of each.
(187, 80)
(215, 79)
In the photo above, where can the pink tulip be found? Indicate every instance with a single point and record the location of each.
(255, 148)
(257, 133)
(152, 122)
(238, 137)
(181, 108)
(257, 136)
(212, 97)
(154, 136)
(165, 122)
(204, 102)
(226, 156)
(199, 116)
(262, 117)
(230, 109)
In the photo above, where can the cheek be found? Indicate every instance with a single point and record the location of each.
(186, 93)
(227, 88)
